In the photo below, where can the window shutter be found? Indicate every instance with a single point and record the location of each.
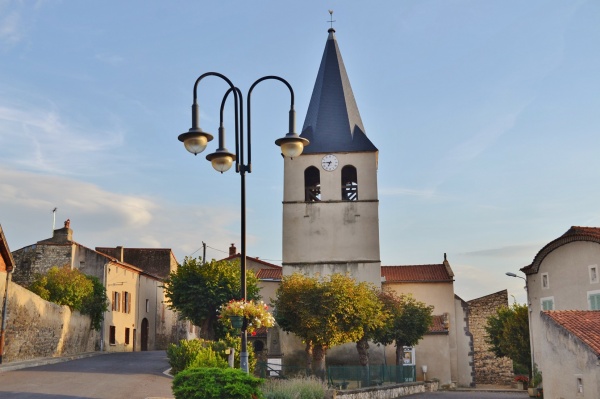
(595, 302)
(128, 303)
(114, 300)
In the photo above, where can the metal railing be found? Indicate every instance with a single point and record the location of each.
(344, 377)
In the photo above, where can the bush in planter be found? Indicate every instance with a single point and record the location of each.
(205, 353)
(216, 383)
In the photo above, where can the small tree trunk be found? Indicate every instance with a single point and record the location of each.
(309, 355)
(399, 355)
(207, 330)
(362, 346)
(319, 361)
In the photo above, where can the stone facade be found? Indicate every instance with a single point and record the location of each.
(489, 369)
(36, 328)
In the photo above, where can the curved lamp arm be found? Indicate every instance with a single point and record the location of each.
(292, 144)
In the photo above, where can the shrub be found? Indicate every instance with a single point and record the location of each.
(66, 286)
(204, 353)
(296, 388)
(216, 383)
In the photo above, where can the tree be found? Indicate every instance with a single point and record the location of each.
(408, 322)
(96, 304)
(66, 286)
(198, 290)
(324, 312)
(508, 334)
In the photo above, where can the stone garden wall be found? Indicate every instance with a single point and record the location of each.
(385, 391)
(36, 328)
(489, 369)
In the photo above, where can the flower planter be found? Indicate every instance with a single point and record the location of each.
(237, 321)
(520, 385)
(533, 392)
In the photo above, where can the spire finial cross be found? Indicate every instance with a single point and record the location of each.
(331, 20)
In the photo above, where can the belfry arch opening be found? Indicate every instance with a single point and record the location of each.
(312, 184)
(349, 184)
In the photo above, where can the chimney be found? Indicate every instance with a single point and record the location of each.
(232, 250)
(119, 253)
(63, 235)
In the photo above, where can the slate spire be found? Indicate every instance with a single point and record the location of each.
(332, 121)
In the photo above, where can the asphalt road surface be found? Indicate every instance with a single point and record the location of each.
(131, 375)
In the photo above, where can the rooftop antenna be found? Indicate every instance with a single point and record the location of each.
(331, 20)
(53, 219)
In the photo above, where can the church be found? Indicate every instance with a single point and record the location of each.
(331, 225)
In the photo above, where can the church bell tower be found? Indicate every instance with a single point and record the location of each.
(330, 203)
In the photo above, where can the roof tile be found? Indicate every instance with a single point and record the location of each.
(584, 324)
(416, 273)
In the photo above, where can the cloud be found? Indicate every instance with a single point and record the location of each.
(110, 59)
(103, 218)
(473, 282)
(41, 139)
(10, 28)
(510, 251)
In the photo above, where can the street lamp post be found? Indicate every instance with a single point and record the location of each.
(196, 140)
(528, 318)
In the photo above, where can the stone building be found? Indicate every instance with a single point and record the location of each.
(138, 317)
(489, 369)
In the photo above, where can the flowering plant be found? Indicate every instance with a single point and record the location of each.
(256, 313)
(521, 378)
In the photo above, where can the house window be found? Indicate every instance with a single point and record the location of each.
(579, 385)
(349, 184)
(594, 300)
(545, 281)
(594, 274)
(126, 302)
(312, 184)
(547, 303)
(147, 305)
(116, 301)
(126, 336)
(112, 335)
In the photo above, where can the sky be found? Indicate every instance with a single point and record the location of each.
(486, 115)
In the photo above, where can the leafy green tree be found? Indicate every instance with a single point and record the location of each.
(408, 322)
(66, 286)
(198, 290)
(95, 304)
(325, 312)
(508, 334)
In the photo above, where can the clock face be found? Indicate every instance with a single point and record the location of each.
(329, 162)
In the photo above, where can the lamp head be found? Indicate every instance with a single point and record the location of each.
(221, 160)
(292, 145)
(509, 274)
(195, 140)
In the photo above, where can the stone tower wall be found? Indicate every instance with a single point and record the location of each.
(489, 369)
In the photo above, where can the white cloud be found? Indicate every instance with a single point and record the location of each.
(103, 218)
(110, 59)
(10, 28)
(41, 139)
(473, 282)
(510, 251)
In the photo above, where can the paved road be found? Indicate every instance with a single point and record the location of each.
(132, 375)
(468, 395)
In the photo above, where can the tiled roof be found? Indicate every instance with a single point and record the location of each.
(584, 324)
(333, 123)
(269, 274)
(257, 260)
(438, 325)
(575, 233)
(259, 332)
(417, 273)
(8, 262)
